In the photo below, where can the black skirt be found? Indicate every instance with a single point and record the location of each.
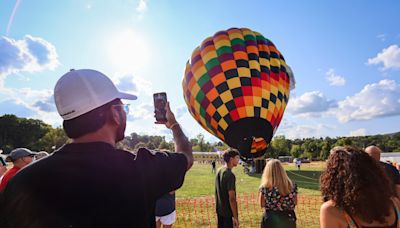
(278, 219)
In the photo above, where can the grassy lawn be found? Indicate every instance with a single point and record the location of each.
(195, 200)
(199, 180)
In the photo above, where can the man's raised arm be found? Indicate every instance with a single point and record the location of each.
(182, 144)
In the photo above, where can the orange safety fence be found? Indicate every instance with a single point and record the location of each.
(200, 212)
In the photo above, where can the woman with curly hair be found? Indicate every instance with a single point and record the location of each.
(278, 195)
(356, 192)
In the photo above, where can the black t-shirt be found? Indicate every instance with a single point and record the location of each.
(91, 185)
(393, 174)
(225, 181)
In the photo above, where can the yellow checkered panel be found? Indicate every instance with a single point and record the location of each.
(236, 86)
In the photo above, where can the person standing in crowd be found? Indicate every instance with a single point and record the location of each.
(390, 170)
(278, 196)
(40, 155)
(298, 163)
(89, 182)
(165, 210)
(225, 191)
(3, 167)
(20, 158)
(213, 166)
(356, 192)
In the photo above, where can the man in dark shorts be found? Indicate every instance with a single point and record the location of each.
(225, 191)
(89, 182)
(165, 210)
(390, 170)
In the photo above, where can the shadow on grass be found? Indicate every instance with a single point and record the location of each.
(304, 179)
(256, 175)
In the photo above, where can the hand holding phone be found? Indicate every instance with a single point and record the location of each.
(160, 101)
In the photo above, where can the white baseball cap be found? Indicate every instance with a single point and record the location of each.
(80, 91)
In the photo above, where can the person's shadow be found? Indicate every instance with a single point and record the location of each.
(308, 179)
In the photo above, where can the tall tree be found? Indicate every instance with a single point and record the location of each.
(20, 132)
(52, 140)
(280, 145)
(295, 151)
(325, 149)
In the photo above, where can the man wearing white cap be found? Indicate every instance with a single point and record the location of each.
(90, 183)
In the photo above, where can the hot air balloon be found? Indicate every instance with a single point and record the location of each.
(236, 86)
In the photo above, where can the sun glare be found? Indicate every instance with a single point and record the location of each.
(129, 51)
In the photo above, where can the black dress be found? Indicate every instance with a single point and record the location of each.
(279, 210)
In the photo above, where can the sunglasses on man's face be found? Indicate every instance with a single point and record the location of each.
(124, 107)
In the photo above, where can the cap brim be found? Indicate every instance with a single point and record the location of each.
(127, 96)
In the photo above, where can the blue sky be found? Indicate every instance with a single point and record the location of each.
(345, 56)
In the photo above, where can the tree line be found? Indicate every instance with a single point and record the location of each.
(39, 136)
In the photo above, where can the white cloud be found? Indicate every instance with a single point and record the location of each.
(374, 100)
(310, 104)
(140, 112)
(16, 107)
(32, 94)
(46, 105)
(131, 84)
(25, 94)
(359, 132)
(146, 111)
(29, 103)
(293, 131)
(51, 118)
(287, 124)
(389, 57)
(334, 79)
(141, 8)
(180, 111)
(29, 54)
(382, 37)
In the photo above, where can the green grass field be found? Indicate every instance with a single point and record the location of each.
(199, 180)
(195, 200)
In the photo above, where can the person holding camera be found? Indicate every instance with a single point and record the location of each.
(89, 182)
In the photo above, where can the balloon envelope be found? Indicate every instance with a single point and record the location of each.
(236, 86)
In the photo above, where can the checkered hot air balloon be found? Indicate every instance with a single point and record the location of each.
(236, 86)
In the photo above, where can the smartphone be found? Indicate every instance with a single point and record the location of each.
(2, 161)
(160, 100)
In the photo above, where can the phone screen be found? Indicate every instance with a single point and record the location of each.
(160, 100)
